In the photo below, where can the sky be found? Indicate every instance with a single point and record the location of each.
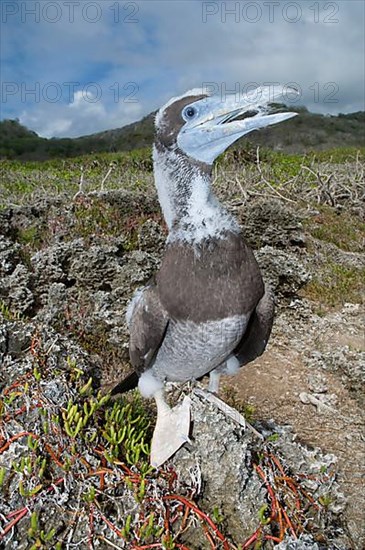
(75, 67)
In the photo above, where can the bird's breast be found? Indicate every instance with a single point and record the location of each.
(191, 350)
(218, 278)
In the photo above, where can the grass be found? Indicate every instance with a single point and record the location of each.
(93, 216)
(342, 229)
(131, 170)
(334, 285)
(339, 155)
(8, 313)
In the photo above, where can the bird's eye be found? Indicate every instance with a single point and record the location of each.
(189, 112)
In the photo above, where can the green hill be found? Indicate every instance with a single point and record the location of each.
(306, 132)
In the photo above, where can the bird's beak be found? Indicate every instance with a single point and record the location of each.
(216, 125)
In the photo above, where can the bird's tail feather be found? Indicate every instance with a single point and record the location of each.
(129, 383)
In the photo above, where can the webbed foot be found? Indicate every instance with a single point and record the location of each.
(171, 430)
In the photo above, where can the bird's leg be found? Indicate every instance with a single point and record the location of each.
(162, 407)
(227, 410)
(214, 378)
(171, 430)
(212, 393)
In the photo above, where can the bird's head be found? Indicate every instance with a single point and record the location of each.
(203, 126)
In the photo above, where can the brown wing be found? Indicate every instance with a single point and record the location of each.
(258, 331)
(148, 325)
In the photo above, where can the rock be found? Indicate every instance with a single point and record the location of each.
(348, 363)
(272, 223)
(151, 237)
(221, 458)
(15, 338)
(96, 267)
(318, 383)
(15, 278)
(323, 403)
(221, 452)
(52, 264)
(305, 542)
(20, 295)
(282, 270)
(9, 256)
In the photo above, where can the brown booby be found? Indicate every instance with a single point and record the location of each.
(207, 310)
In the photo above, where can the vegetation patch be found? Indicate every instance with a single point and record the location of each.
(334, 285)
(8, 313)
(344, 230)
(79, 473)
(31, 238)
(60, 177)
(95, 218)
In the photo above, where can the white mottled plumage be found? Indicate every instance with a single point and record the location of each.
(149, 384)
(205, 216)
(191, 350)
(232, 365)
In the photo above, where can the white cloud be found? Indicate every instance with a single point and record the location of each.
(171, 49)
(80, 117)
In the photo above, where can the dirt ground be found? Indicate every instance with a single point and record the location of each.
(292, 383)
